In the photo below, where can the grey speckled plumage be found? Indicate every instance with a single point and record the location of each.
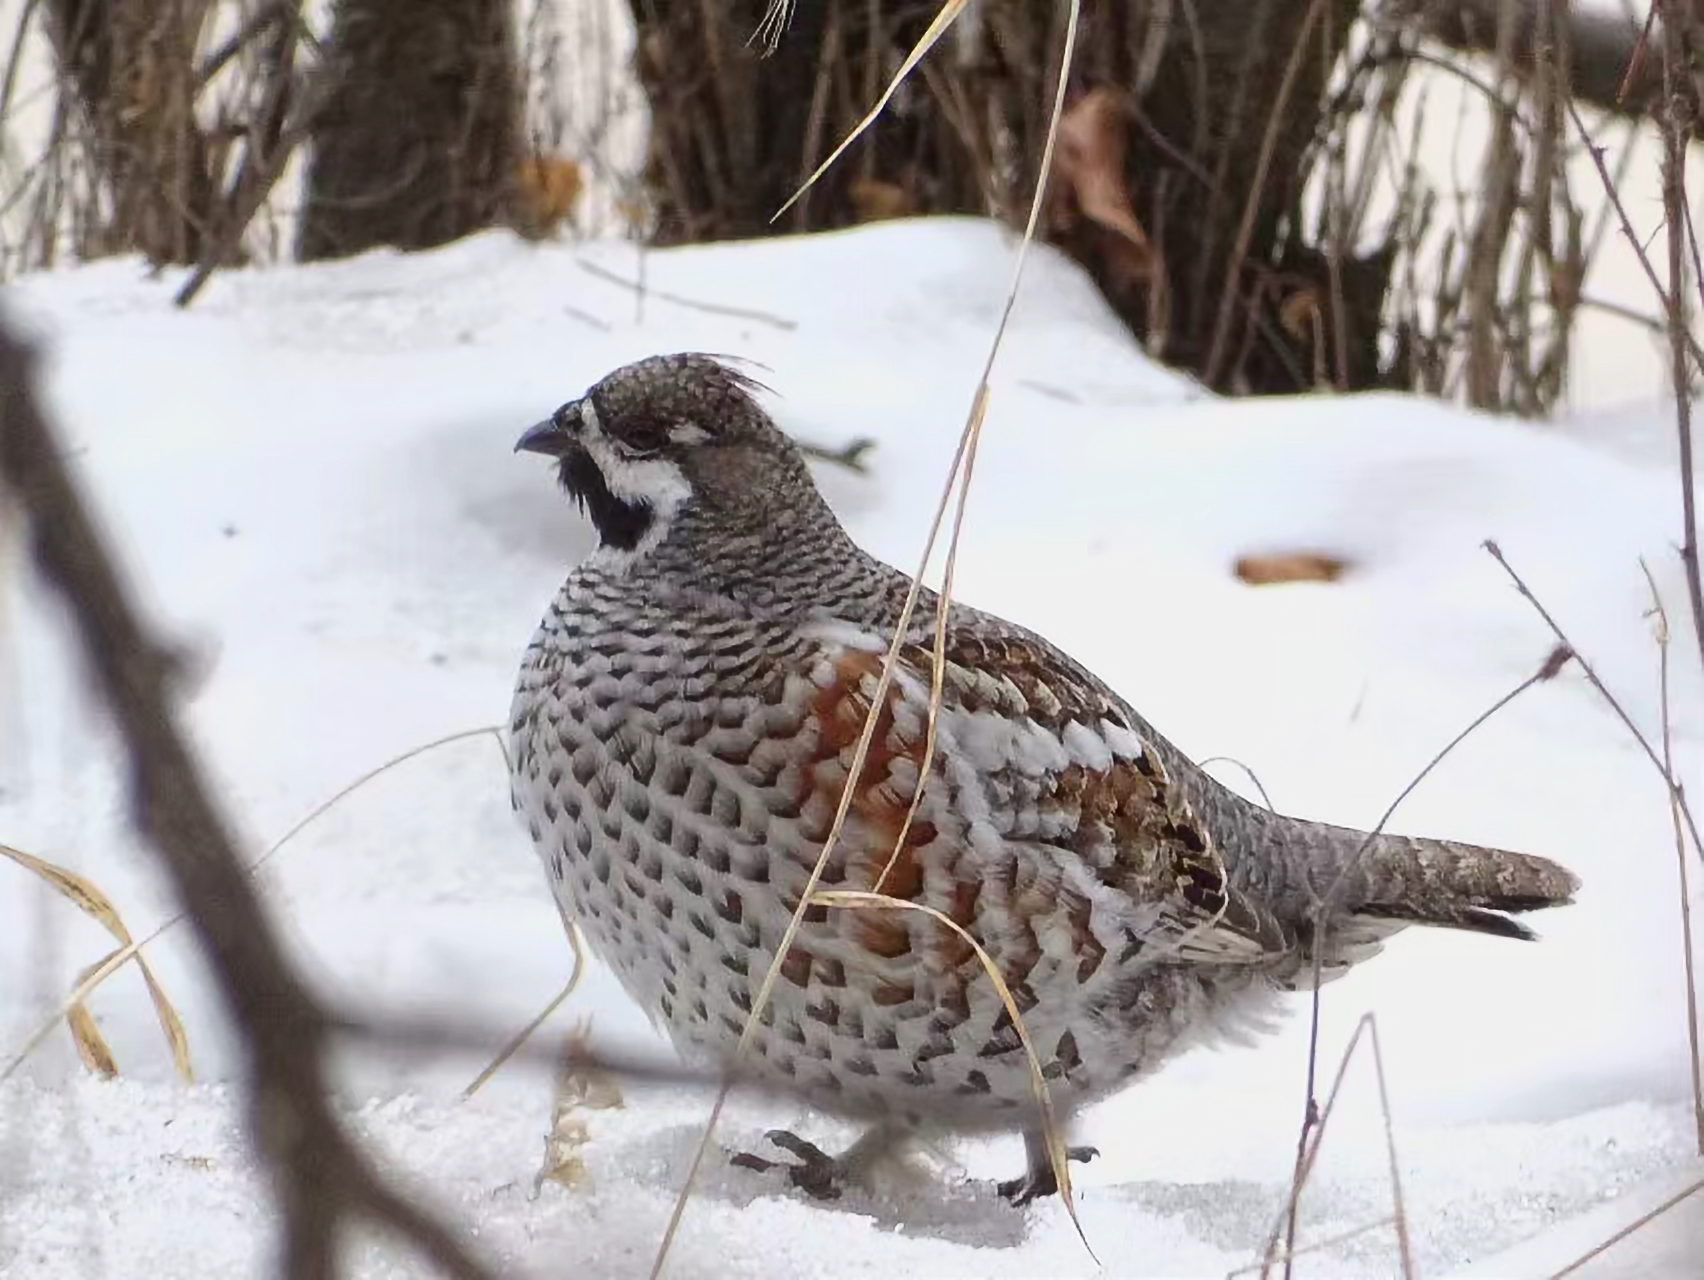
(683, 728)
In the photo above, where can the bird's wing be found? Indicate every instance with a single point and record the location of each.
(1056, 805)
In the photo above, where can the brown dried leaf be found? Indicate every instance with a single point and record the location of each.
(874, 200)
(92, 1047)
(1290, 566)
(1090, 168)
(1301, 314)
(547, 188)
(82, 893)
(171, 1026)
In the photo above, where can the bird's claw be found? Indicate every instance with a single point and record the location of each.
(1039, 1181)
(816, 1173)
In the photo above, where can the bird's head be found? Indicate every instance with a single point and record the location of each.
(673, 443)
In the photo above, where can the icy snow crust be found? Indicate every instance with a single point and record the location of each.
(309, 475)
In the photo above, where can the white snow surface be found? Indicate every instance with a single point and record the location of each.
(309, 476)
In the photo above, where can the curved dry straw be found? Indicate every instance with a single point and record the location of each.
(92, 1047)
(860, 899)
(73, 1009)
(961, 467)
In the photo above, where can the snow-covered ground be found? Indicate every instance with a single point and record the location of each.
(310, 476)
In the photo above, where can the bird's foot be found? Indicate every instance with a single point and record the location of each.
(1039, 1181)
(816, 1173)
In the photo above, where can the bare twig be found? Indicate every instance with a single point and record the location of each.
(850, 455)
(455, 1034)
(252, 28)
(1251, 208)
(1660, 615)
(640, 288)
(1627, 229)
(1676, 120)
(1309, 1155)
(1591, 675)
(962, 458)
(264, 164)
(322, 1181)
(1330, 900)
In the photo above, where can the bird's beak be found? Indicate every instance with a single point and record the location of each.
(543, 437)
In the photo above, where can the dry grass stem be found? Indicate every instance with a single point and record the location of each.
(513, 1046)
(1313, 1246)
(938, 658)
(1642, 1221)
(1253, 777)
(773, 25)
(93, 977)
(859, 899)
(949, 11)
(90, 978)
(966, 443)
(91, 1045)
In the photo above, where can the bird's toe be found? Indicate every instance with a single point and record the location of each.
(815, 1172)
(1039, 1180)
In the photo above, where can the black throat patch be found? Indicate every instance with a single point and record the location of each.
(620, 523)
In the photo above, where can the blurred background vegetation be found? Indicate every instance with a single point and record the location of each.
(1249, 182)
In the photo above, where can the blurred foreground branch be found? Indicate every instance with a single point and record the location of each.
(322, 1181)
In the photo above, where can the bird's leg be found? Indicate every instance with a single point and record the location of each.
(1039, 1180)
(820, 1175)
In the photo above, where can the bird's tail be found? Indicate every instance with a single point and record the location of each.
(1387, 881)
(1459, 886)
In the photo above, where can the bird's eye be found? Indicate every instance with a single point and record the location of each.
(643, 436)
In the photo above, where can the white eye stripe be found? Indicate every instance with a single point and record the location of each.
(688, 433)
(589, 415)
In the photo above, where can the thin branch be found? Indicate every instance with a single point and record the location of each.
(1689, 966)
(1632, 236)
(426, 1034)
(251, 29)
(850, 455)
(1308, 1156)
(1331, 898)
(712, 308)
(1251, 207)
(262, 165)
(1676, 120)
(1675, 789)
(321, 1179)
